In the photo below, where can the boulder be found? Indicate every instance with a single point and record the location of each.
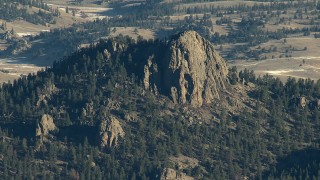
(110, 131)
(107, 54)
(251, 85)
(171, 174)
(88, 110)
(303, 102)
(131, 116)
(45, 126)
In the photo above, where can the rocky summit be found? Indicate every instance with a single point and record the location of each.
(193, 71)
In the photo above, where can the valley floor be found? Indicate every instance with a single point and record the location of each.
(11, 69)
(298, 67)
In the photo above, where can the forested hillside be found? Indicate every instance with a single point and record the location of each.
(22, 10)
(147, 134)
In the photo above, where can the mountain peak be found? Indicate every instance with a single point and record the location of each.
(194, 72)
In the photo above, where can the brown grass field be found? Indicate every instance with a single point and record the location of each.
(302, 64)
(11, 70)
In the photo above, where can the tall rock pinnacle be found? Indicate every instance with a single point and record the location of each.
(191, 71)
(195, 73)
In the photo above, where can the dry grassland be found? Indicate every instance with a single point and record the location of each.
(9, 70)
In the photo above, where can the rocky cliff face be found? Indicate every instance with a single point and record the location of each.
(110, 132)
(193, 71)
(45, 126)
(171, 174)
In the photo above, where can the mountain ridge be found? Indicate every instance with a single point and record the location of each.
(108, 124)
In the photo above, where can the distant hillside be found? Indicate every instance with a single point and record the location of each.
(157, 109)
(25, 10)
